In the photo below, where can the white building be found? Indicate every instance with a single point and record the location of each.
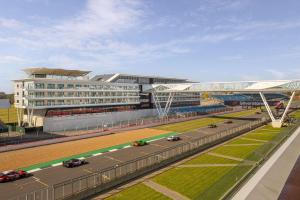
(57, 92)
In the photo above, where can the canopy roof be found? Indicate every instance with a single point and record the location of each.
(243, 86)
(57, 72)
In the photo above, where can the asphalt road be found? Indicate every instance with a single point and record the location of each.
(49, 176)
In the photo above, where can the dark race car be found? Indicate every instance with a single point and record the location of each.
(74, 163)
(12, 175)
(173, 138)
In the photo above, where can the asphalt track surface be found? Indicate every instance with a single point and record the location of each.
(53, 175)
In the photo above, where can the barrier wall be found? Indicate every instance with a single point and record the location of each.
(87, 121)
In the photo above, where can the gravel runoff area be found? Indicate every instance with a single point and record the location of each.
(212, 174)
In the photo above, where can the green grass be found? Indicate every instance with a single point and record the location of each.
(191, 182)
(265, 133)
(209, 159)
(198, 123)
(241, 141)
(224, 183)
(296, 114)
(140, 192)
(236, 151)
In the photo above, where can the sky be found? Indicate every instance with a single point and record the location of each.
(202, 40)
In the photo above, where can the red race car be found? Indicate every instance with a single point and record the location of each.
(12, 175)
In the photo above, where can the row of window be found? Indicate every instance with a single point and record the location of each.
(80, 102)
(79, 86)
(81, 94)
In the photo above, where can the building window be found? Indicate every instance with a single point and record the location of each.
(60, 86)
(51, 86)
(70, 86)
(39, 86)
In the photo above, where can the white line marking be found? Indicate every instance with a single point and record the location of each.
(57, 164)
(97, 154)
(126, 147)
(34, 170)
(82, 158)
(113, 150)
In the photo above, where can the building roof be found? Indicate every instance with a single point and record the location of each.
(111, 77)
(57, 72)
(242, 86)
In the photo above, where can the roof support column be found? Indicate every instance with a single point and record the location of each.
(267, 106)
(287, 107)
(163, 112)
(157, 103)
(168, 104)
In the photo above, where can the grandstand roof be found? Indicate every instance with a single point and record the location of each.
(57, 72)
(242, 86)
(112, 77)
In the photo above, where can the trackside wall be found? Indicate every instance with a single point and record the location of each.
(85, 121)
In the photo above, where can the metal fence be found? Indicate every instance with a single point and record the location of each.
(105, 179)
(104, 126)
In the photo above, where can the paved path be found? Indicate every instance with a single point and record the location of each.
(224, 156)
(165, 191)
(268, 182)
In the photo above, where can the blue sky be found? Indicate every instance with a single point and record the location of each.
(203, 40)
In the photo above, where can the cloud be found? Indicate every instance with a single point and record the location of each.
(102, 17)
(8, 59)
(9, 23)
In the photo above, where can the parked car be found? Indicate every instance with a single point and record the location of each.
(173, 138)
(12, 175)
(74, 162)
(212, 126)
(228, 122)
(139, 143)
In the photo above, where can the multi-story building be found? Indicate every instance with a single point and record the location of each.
(57, 92)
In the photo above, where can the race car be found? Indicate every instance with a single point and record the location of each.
(74, 162)
(173, 138)
(212, 126)
(228, 122)
(139, 143)
(12, 175)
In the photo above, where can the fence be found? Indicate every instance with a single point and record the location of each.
(105, 179)
(102, 121)
(104, 125)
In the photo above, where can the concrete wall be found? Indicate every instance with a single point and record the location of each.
(84, 121)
